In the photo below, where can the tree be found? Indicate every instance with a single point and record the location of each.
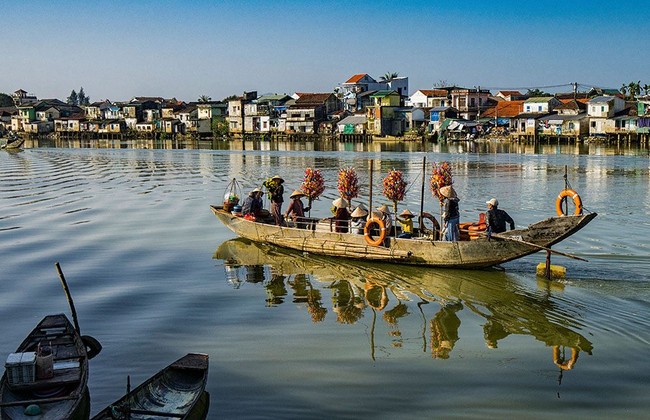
(73, 99)
(441, 83)
(533, 93)
(6, 100)
(231, 97)
(623, 90)
(82, 99)
(634, 89)
(219, 127)
(388, 77)
(204, 99)
(646, 89)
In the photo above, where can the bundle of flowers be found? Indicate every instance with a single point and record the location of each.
(348, 183)
(314, 184)
(394, 186)
(440, 177)
(271, 185)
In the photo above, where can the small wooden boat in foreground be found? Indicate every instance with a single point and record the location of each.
(478, 253)
(59, 390)
(13, 143)
(176, 392)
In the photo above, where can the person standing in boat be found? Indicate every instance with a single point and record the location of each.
(277, 198)
(358, 221)
(342, 216)
(386, 217)
(406, 222)
(296, 210)
(496, 218)
(451, 215)
(252, 203)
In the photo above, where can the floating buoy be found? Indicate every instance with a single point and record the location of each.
(557, 271)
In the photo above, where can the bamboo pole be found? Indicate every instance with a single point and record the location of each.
(370, 187)
(424, 169)
(70, 302)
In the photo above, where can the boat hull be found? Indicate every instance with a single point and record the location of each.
(478, 253)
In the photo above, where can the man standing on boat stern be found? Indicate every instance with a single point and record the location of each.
(451, 215)
(276, 200)
(496, 218)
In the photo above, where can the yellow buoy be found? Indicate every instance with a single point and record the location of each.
(557, 271)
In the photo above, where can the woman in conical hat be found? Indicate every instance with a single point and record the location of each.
(340, 202)
(358, 221)
(406, 221)
(451, 214)
(296, 210)
(386, 217)
(342, 215)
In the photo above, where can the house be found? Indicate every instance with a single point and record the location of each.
(236, 110)
(600, 110)
(570, 120)
(21, 97)
(501, 113)
(188, 116)
(429, 98)
(412, 118)
(381, 116)
(438, 114)
(469, 102)
(351, 90)
(5, 117)
(171, 126)
(71, 123)
(510, 95)
(353, 124)
(541, 104)
(207, 110)
(308, 111)
(526, 123)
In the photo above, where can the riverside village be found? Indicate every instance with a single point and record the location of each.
(360, 109)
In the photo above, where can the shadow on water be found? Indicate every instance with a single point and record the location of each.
(361, 288)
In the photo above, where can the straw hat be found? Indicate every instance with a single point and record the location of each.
(340, 202)
(376, 214)
(359, 212)
(406, 213)
(278, 177)
(493, 202)
(362, 207)
(384, 209)
(297, 193)
(448, 191)
(256, 190)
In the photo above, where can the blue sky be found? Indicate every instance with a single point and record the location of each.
(184, 49)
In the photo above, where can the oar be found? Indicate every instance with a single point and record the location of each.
(521, 241)
(67, 294)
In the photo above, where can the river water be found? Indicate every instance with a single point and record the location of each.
(154, 275)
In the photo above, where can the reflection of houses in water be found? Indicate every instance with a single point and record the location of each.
(358, 289)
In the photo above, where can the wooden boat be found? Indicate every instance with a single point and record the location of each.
(425, 251)
(176, 392)
(13, 143)
(62, 396)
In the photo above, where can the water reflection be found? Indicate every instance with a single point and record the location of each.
(359, 289)
(549, 147)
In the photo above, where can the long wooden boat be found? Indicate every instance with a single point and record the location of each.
(62, 396)
(13, 144)
(176, 392)
(478, 253)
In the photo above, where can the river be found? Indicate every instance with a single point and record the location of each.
(298, 336)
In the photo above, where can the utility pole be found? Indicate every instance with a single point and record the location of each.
(575, 90)
(243, 122)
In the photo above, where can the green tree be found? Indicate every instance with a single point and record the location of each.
(634, 89)
(82, 99)
(646, 89)
(534, 93)
(623, 90)
(73, 99)
(204, 99)
(219, 126)
(389, 76)
(226, 99)
(6, 100)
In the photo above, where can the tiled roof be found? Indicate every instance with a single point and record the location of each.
(504, 109)
(356, 78)
(433, 92)
(571, 104)
(313, 98)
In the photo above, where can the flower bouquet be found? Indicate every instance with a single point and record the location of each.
(440, 177)
(271, 186)
(394, 187)
(348, 184)
(313, 185)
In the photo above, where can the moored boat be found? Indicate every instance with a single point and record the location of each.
(13, 143)
(47, 377)
(177, 391)
(479, 252)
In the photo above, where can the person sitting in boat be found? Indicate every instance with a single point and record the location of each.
(405, 219)
(342, 216)
(496, 218)
(386, 217)
(296, 210)
(358, 222)
(252, 203)
(277, 199)
(451, 215)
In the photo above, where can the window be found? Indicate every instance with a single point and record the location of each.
(527, 108)
(593, 124)
(539, 108)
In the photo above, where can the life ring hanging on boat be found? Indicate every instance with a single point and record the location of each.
(425, 230)
(576, 200)
(565, 364)
(368, 228)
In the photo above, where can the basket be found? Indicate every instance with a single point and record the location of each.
(21, 368)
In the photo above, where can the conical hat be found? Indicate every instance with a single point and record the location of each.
(359, 212)
(406, 213)
(340, 202)
(278, 177)
(448, 191)
(384, 209)
(297, 193)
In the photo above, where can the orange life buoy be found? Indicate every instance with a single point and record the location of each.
(565, 364)
(368, 228)
(425, 230)
(576, 200)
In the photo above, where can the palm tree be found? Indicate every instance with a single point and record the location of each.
(388, 77)
(634, 89)
(623, 90)
(646, 89)
(204, 99)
